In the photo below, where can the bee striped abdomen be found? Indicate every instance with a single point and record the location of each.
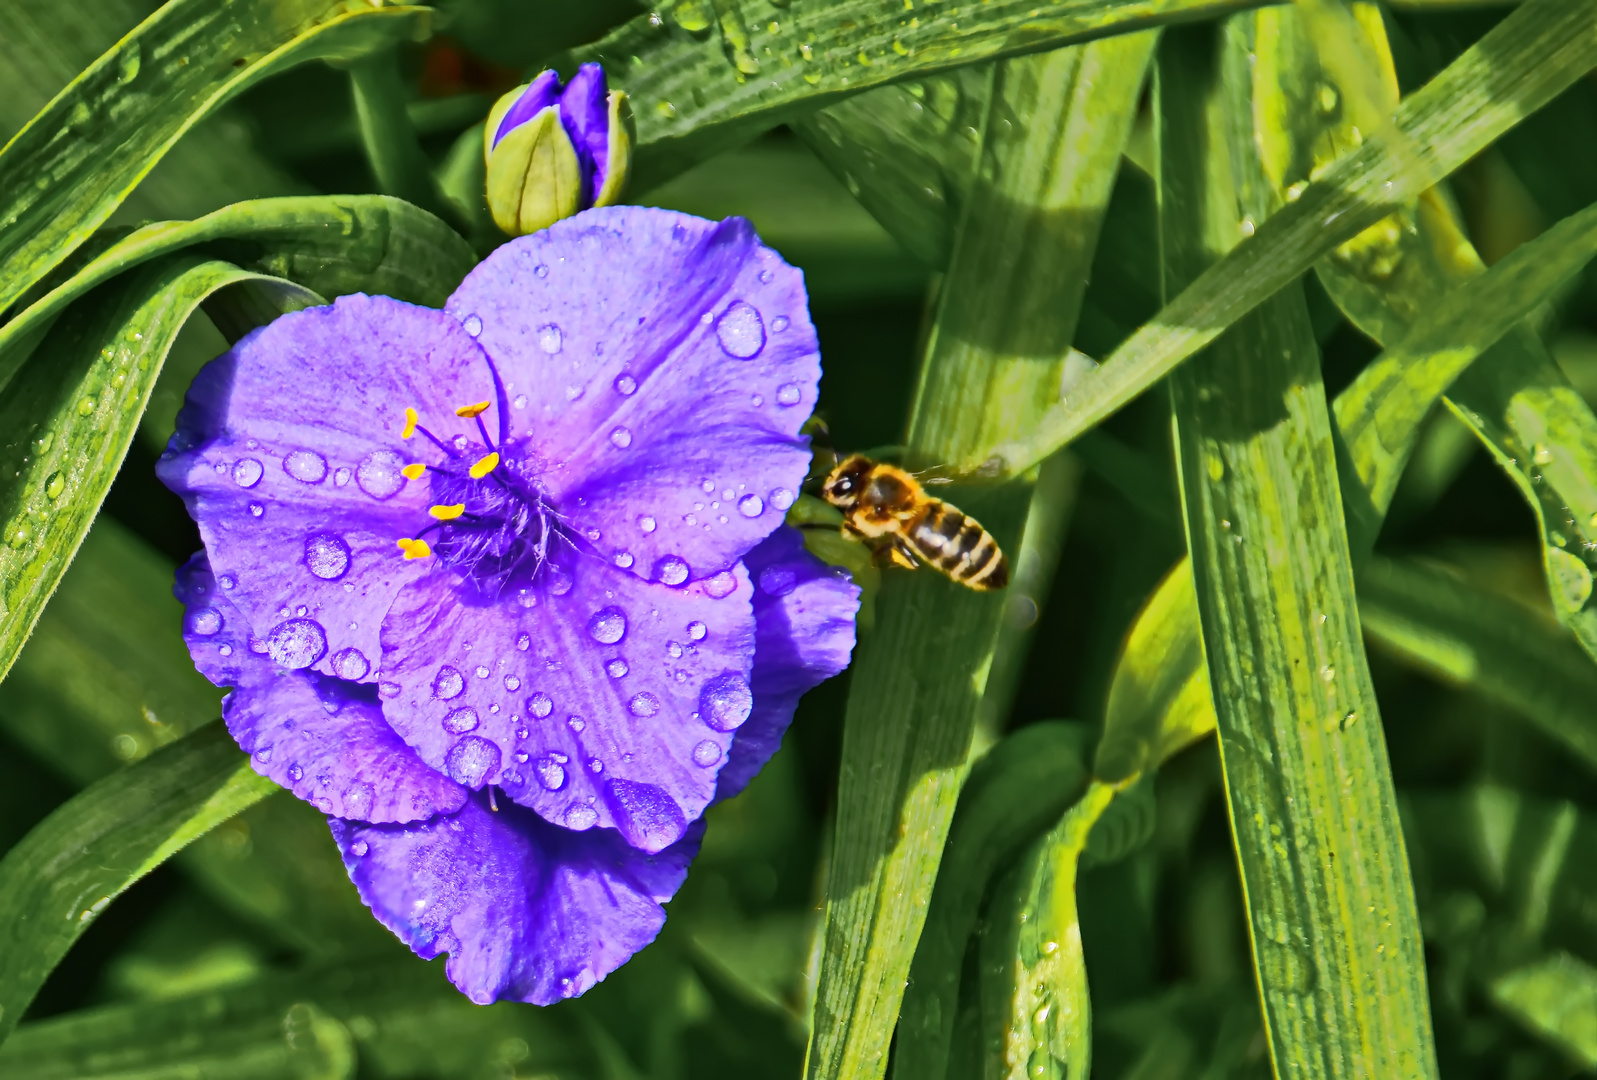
(956, 544)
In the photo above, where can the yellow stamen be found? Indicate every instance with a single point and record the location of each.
(410, 424)
(468, 411)
(447, 513)
(485, 466)
(414, 549)
(413, 471)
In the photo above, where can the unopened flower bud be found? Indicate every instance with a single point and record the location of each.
(554, 150)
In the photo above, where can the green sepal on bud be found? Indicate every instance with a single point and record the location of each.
(534, 175)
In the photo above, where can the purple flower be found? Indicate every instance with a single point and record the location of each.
(553, 151)
(505, 589)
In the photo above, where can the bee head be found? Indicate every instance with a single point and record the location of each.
(846, 482)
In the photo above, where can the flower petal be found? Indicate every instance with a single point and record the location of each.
(288, 456)
(662, 365)
(585, 113)
(527, 910)
(541, 93)
(324, 739)
(804, 634)
(592, 697)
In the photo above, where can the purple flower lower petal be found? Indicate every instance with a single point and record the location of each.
(804, 634)
(584, 110)
(288, 456)
(592, 697)
(324, 739)
(664, 365)
(541, 93)
(527, 910)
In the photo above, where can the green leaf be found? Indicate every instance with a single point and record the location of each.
(1524, 61)
(695, 93)
(1508, 652)
(1036, 1013)
(1556, 998)
(1336, 938)
(1012, 295)
(1016, 792)
(63, 175)
(69, 417)
(332, 244)
(67, 870)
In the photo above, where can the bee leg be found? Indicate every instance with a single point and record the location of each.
(899, 554)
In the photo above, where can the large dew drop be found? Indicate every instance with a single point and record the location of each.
(671, 570)
(751, 506)
(551, 774)
(789, 394)
(351, 664)
(326, 556)
(247, 472)
(740, 330)
(643, 705)
(296, 644)
(625, 385)
(379, 474)
(540, 705)
(721, 585)
(607, 626)
(706, 754)
(204, 622)
(579, 818)
(306, 466)
(472, 760)
(448, 683)
(549, 338)
(461, 720)
(726, 701)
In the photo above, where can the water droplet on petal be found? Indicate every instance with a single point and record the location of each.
(472, 760)
(777, 580)
(512, 683)
(326, 556)
(256, 509)
(697, 630)
(751, 506)
(721, 585)
(781, 498)
(247, 472)
(264, 754)
(227, 581)
(616, 668)
(306, 466)
(549, 338)
(389, 690)
(225, 649)
(576, 723)
(706, 754)
(296, 643)
(473, 325)
(524, 642)
(540, 704)
(757, 400)
(482, 672)
(342, 476)
(579, 818)
(295, 773)
(708, 487)
(379, 474)
(673, 649)
(789, 394)
(671, 570)
(204, 622)
(625, 385)
(621, 438)
(647, 523)
(351, 664)
(623, 559)
(559, 581)
(541, 270)
(779, 324)
(740, 330)
(448, 683)
(461, 720)
(520, 402)
(608, 626)
(644, 704)
(551, 774)
(726, 701)
(358, 800)
(359, 849)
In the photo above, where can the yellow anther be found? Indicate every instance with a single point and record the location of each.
(447, 513)
(485, 466)
(414, 549)
(413, 471)
(468, 411)
(410, 424)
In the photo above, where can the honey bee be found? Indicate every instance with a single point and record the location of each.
(886, 507)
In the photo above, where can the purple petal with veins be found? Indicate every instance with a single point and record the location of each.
(324, 739)
(541, 93)
(667, 393)
(528, 911)
(583, 695)
(288, 456)
(585, 114)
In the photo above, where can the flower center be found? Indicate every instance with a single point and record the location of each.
(490, 517)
